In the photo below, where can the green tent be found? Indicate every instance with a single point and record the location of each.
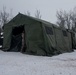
(40, 37)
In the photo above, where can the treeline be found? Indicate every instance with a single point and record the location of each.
(67, 19)
(64, 19)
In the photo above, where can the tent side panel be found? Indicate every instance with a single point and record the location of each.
(75, 40)
(34, 39)
(70, 41)
(7, 37)
(59, 40)
(50, 40)
(66, 40)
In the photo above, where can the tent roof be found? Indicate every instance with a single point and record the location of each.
(18, 16)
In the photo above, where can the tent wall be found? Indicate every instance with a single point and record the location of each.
(50, 41)
(59, 40)
(63, 40)
(73, 40)
(70, 41)
(7, 37)
(66, 43)
(34, 39)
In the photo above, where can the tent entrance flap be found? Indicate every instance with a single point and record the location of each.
(17, 42)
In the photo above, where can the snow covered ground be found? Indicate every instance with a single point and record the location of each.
(15, 63)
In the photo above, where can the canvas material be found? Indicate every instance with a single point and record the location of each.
(38, 42)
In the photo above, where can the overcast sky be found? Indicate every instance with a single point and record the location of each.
(47, 8)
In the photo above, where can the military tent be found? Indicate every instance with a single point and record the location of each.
(40, 37)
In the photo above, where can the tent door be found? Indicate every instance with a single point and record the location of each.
(17, 43)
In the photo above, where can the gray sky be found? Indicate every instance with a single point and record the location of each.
(47, 8)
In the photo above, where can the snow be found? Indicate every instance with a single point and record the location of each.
(0, 46)
(1, 33)
(16, 63)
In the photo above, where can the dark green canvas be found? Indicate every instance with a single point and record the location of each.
(41, 37)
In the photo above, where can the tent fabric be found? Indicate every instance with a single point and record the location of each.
(16, 43)
(73, 40)
(41, 37)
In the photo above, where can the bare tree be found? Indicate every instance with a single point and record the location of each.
(28, 13)
(11, 14)
(65, 19)
(60, 19)
(5, 16)
(38, 14)
(73, 18)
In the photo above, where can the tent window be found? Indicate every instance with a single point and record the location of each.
(64, 33)
(49, 30)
